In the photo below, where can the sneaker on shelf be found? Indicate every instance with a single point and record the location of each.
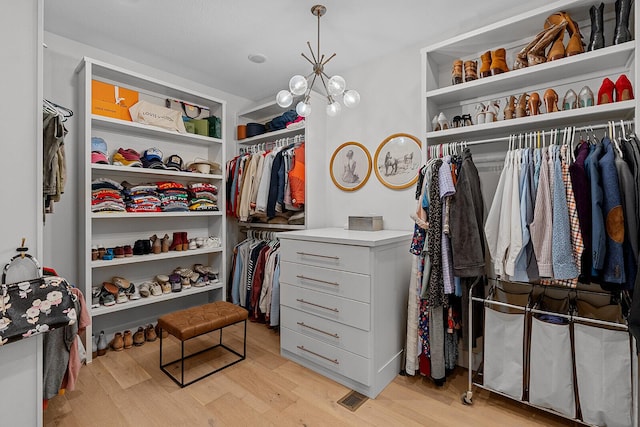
(199, 242)
(122, 297)
(156, 290)
(144, 289)
(192, 244)
(212, 242)
(176, 282)
(128, 250)
(96, 291)
(165, 288)
(108, 255)
(107, 299)
(133, 292)
(197, 280)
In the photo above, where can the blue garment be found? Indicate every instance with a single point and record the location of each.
(235, 284)
(274, 185)
(613, 215)
(536, 173)
(564, 266)
(598, 239)
(520, 272)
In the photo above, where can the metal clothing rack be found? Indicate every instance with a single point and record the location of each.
(270, 145)
(467, 397)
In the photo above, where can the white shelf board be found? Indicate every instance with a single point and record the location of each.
(596, 61)
(595, 114)
(263, 111)
(153, 172)
(110, 215)
(131, 304)
(153, 257)
(259, 225)
(135, 128)
(270, 136)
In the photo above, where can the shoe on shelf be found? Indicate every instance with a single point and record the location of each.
(185, 241)
(434, 123)
(138, 248)
(127, 337)
(156, 244)
(176, 282)
(94, 253)
(133, 292)
(122, 297)
(534, 104)
(550, 101)
(165, 243)
(94, 346)
(443, 122)
(108, 254)
(107, 299)
(536, 54)
(621, 33)
(596, 41)
(102, 344)
(96, 291)
(485, 64)
(128, 251)
(481, 110)
(466, 121)
(119, 252)
(120, 282)
(146, 246)
(138, 337)
(605, 93)
(156, 289)
(456, 122)
(117, 343)
(521, 57)
(499, 62)
(176, 243)
(470, 71)
(212, 242)
(624, 90)
(150, 333)
(521, 106)
(570, 100)
(510, 108)
(192, 244)
(101, 251)
(585, 97)
(144, 289)
(491, 111)
(165, 288)
(456, 72)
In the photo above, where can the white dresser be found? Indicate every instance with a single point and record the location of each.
(343, 299)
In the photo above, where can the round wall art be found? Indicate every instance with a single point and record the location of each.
(350, 166)
(397, 161)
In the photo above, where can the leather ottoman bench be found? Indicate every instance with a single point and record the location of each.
(195, 321)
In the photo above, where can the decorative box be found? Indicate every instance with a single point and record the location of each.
(365, 223)
(112, 101)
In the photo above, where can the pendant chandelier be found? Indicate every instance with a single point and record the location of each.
(334, 87)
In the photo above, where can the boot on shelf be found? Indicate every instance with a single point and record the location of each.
(596, 40)
(485, 64)
(536, 55)
(621, 33)
(176, 244)
(185, 241)
(470, 71)
(498, 61)
(456, 72)
(510, 108)
(521, 57)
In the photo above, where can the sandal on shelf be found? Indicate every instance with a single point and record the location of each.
(457, 122)
(480, 113)
(521, 106)
(466, 120)
(534, 104)
(510, 108)
(491, 112)
(551, 101)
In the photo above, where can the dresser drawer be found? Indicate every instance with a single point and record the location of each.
(342, 336)
(329, 357)
(347, 311)
(342, 283)
(336, 256)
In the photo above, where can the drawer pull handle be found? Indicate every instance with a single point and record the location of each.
(317, 305)
(300, 276)
(319, 330)
(319, 256)
(301, 347)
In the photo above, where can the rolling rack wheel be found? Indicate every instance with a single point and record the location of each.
(467, 398)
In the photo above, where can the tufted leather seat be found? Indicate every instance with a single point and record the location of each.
(194, 321)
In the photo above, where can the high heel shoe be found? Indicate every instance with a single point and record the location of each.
(534, 104)
(156, 244)
(485, 64)
(491, 112)
(510, 108)
(605, 93)
(624, 91)
(434, 123)
(596, 40)
(536, 54)
(470, 71)
(498, 62)
(456, 72)
(466, 120)
(570, 100)
(165, 243)
(456, 122)
(480, 113)
(521, 106)
(442, 121)
(585, 97)
(574, 45)
(551, 101)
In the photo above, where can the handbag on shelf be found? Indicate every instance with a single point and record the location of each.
(191, 111)
(156, 115)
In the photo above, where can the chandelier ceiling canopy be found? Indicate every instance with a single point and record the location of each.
(334, 87)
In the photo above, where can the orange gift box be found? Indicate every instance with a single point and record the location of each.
(112, 101)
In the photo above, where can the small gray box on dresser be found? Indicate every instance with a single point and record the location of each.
(365, 223)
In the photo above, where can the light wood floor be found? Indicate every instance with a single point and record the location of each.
(127, 388)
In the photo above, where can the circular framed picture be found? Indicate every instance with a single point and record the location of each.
(350, 166)
(397, 161)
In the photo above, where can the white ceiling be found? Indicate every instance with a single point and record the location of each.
(208, 41)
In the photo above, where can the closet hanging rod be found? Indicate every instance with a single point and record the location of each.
(506, 138)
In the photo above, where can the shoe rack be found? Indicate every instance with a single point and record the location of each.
(109, 229)
(439, 95)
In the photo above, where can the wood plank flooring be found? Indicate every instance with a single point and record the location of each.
(127, 388)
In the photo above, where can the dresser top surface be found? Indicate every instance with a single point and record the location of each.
(349, 237)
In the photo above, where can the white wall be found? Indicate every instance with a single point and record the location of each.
(21, 192)
(60, 86)
(390, 103)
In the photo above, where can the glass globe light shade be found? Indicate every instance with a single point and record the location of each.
(284, 98)
(336, 85)
(351, 98)
(333, 109)
(298, 85)
(303, 109)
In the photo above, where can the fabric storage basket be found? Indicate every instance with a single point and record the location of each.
(603, 368)
(503, 352)
(551, 383)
